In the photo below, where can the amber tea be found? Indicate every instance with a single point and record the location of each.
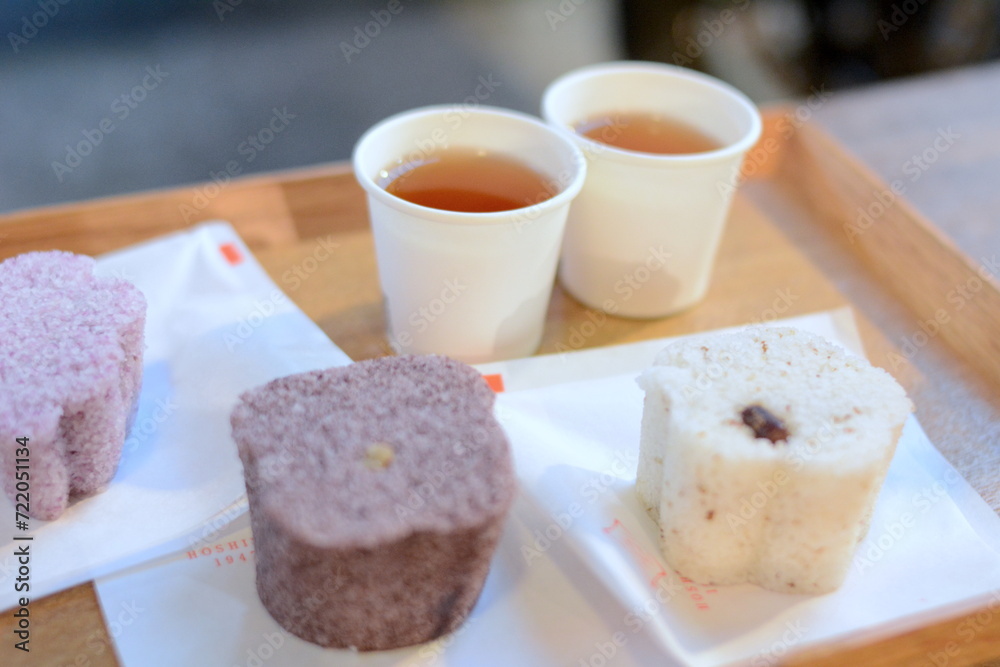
(468, 180)
(647, 133)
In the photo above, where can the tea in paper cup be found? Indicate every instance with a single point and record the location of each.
(664, 146)
(467, 208)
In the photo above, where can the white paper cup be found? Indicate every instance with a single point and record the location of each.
(643, 233)
(473, 286)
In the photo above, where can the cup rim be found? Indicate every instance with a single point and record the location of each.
(373, 189)
(593, 147)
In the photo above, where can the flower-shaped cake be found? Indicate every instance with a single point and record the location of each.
(71, 346)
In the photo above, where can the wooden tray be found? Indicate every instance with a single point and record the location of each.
(791, 247)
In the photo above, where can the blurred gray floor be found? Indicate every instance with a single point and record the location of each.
(170, 104)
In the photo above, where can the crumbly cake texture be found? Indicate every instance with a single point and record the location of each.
(733, 507)
(378, 493)
(71, 348)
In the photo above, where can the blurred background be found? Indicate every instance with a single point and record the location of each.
(101, 97)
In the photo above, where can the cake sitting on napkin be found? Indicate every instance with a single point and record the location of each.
(762, 454)
(378, 493)
(71, 348)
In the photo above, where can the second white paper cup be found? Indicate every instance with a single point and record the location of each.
(473, 286)
(643, 233)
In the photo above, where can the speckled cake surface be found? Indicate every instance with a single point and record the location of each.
(377, 494)
(762, 454)
(71, 347)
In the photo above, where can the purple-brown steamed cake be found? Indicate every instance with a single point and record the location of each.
(378, 492)
(71, 346)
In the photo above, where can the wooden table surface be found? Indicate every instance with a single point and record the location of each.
(782, 234)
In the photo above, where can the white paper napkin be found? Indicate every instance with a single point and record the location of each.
(216, 325)
(577, 574)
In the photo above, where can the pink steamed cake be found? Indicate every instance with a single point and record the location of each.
(71, 346)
